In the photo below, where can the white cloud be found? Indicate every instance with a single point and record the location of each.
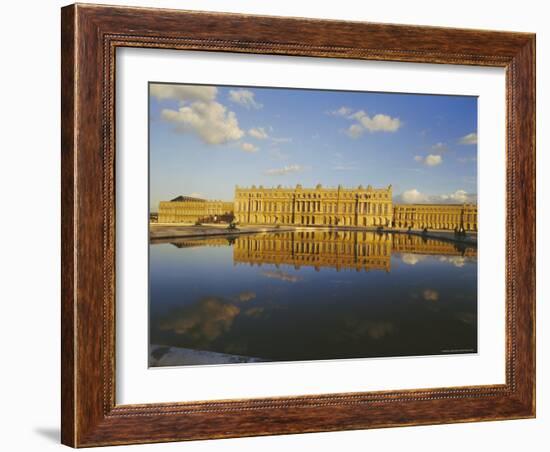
(211, 121)
(460, 196)
(244, 98)
(355, 131)
(281, 139)
(183, 93)
(471, 138)
(259, 133)
(433, 160)
(414, 196)
(345, 168)
(342, 111)
(249, 147)
(363, 122)
(429, 160)
(276, 154)
(284, 170)
(472, 158)
(376, 123)
(440, 147)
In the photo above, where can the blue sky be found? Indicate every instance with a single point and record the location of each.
(204, 140)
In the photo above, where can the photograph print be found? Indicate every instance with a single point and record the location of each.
(292, 225)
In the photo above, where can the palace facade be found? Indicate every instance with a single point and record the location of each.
(321, 206)
(186, 209)
(435, 216)
(361, 206)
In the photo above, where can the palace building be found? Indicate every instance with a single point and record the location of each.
(186, 209)
(320, 206)
(361, 206)
(436, 216)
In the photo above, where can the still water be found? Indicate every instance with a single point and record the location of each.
(313, 295)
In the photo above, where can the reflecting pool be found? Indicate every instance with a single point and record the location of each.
(309, 295)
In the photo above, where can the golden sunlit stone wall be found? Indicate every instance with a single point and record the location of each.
(192, 210)
(333, 206)
(339, 206)
(436, 216)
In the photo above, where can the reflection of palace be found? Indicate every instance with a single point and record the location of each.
(365, 250)
(357, 250)
(359, 207)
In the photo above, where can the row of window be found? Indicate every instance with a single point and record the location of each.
(316, 207)
(186, 212)
(316, 195)
(323, 247)
(445, 217)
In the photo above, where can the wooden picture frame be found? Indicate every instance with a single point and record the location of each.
(90, 36)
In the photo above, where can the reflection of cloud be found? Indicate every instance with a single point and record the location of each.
(283, 276)
(203, 321)
(378, 330)
(254, 312)
(457, 261)
(412, 259)
(466, 317)
(246, 296)
(340, 281)
(374, 329)
(430, 295)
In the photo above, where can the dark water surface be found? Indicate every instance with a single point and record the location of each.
(314, 295)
